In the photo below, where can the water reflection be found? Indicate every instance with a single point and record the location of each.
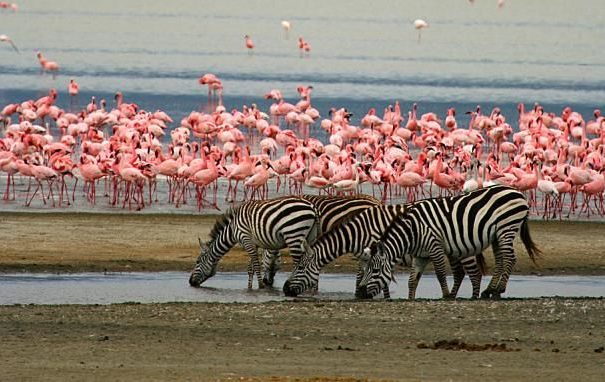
(98, 288)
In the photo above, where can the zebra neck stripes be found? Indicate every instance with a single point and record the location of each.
(351, 236)
(456, 228)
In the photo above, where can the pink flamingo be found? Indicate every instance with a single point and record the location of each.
(239, 172)
(43, 173)
(249, 44)
(303, 46)
(73, 89)
(257, 183)
(593, 190)
(443, 181)
(205, 177)
(91, 172)
(47, 66)
(8, 164)
(5, 38)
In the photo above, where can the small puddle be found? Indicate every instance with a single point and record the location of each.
(99, 288)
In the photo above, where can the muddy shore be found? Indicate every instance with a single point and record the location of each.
(538, 339)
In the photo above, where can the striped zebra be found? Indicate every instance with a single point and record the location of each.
(457, 228)
(352, 236)
(272, 224)
(332, 210)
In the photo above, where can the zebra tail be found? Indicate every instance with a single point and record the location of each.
(532, 250)
(482, 264)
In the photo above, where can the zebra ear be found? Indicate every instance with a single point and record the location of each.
(199, 240)
(379, 247)
(366, 254)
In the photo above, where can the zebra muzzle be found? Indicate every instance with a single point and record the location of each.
(194, 281)
(362, 292)
(289, 289)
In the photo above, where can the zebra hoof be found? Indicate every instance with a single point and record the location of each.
(486, 294)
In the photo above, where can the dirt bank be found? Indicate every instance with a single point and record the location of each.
(66, 242)
(541, 340)
(537, 339)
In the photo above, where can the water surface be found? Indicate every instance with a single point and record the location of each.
(98, 288)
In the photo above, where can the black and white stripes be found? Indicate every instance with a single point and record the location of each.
(332, 210)
(271, 224)
(352, 236)
(457, 228)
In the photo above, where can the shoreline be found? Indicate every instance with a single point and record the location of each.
(71, 242)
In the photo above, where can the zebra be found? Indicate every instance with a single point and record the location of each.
(332, 210)
(273, 224)
(352, 236)
(459, 228)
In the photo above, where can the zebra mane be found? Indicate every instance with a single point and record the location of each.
(222, 222)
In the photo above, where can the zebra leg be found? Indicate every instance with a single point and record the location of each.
(471, 268)
(419, 265)
(253, 265)
(510, 259)
(271, 264)
(386, 293)
(458, 272)
(438, 258)
(358, 277)
(504, 256)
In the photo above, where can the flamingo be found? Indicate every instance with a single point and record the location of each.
(249, 44)
(303, 46)
(286, 26)
(348, 185)
(5, 38)
(73, 89)
(47, 66)
(420, 24)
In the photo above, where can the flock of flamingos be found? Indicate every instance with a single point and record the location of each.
(46, 152)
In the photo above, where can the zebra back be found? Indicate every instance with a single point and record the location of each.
(334, 210)
(352, 236)
(456, 227)
(272, 224)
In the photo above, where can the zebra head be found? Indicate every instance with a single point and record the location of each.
(305, 273)
(205, 266)
(377, 271)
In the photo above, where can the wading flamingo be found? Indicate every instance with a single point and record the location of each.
(420, 24)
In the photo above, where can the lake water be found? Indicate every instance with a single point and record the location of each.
(98, 288)
(364, 54)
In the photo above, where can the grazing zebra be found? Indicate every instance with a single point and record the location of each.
(332, 210)
(352, 236)
(458, 228)
(272, 224)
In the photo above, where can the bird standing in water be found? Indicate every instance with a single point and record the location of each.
(420, 24)
(249, 43)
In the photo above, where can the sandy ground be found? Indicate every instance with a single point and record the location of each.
(537, 339)
(69, 242)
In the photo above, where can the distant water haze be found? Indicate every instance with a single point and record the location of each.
(527, 51)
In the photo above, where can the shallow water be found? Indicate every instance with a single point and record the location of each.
(363, 54)
(98, 288)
